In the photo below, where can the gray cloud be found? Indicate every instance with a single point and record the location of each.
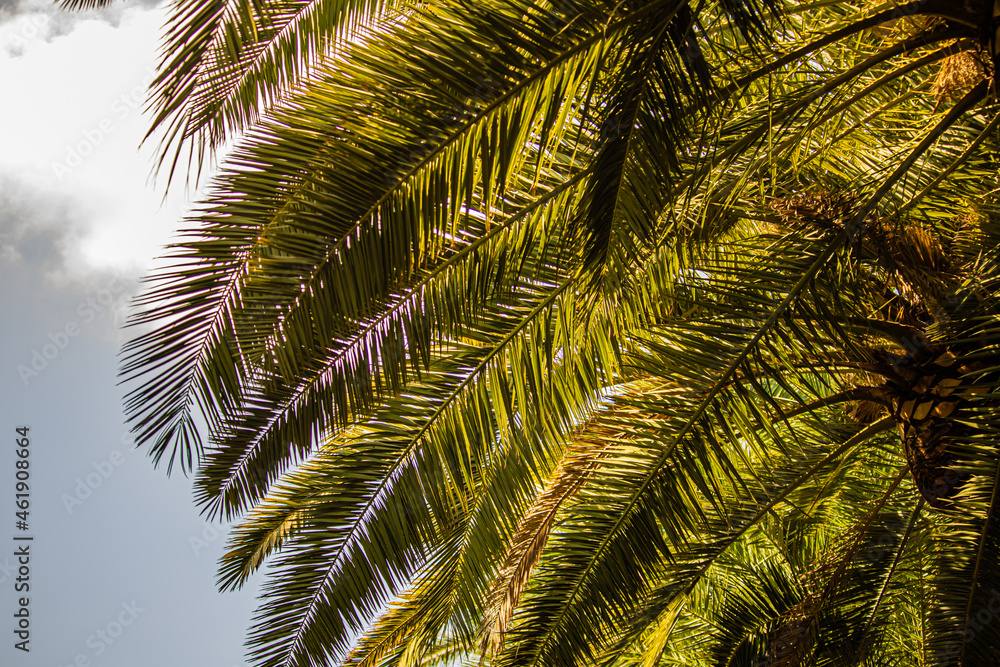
(58, 21)
(44, 280)
(33, 229)
(36, 232)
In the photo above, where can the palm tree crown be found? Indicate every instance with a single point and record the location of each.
(584, 332)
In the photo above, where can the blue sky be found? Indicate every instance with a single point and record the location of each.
(122, 566)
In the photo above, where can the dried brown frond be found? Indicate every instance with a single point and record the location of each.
(910, 245)
(967, 241)
(820, 209)
(595, 441)
(919, 267)
(925, 246)
(959, 74)
(796, 636)
(867, 410)
(528, 542)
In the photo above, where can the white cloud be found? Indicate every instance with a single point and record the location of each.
(73, 124)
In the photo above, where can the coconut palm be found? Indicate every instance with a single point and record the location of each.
(587, 332)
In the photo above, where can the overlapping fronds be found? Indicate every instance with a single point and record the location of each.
(589, 333)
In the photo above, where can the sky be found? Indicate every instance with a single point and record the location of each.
(121, 566)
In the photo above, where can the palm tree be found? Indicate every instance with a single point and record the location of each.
(584, 332)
